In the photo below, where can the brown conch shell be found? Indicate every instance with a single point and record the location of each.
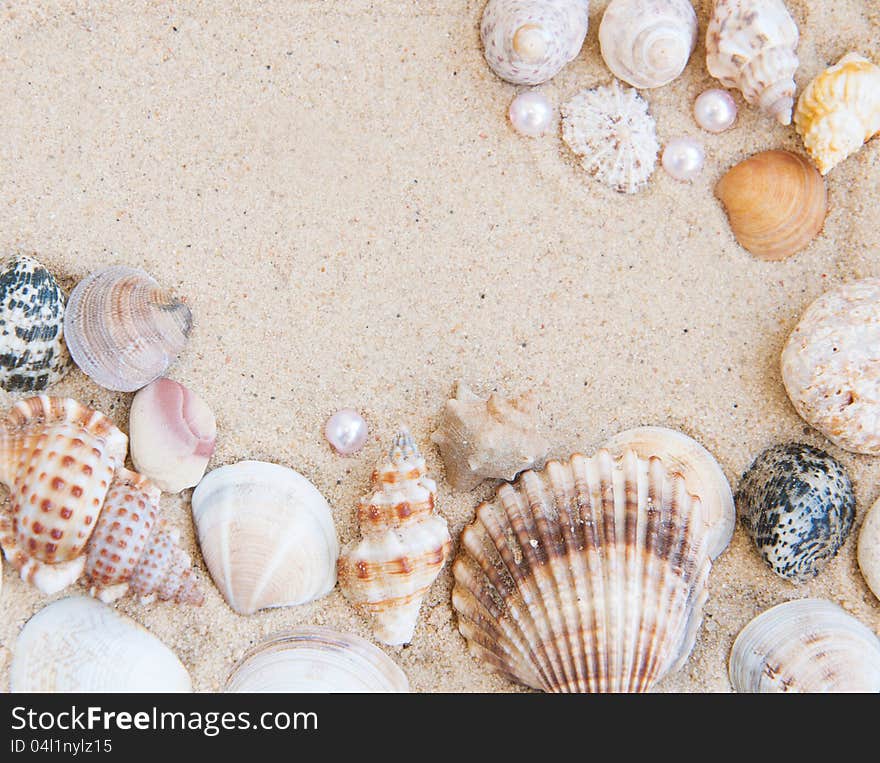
(404, 546)
(776, 203)
(589, 576)
(492, 438)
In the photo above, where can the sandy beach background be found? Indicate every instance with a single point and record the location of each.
(336, 190)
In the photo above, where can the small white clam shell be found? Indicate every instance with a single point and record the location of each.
(266, 534)
(80, 645)
(869, 549)
(808, 645)
(316, 660)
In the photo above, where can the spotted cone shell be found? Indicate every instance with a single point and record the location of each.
(589, 576)
(57, 458)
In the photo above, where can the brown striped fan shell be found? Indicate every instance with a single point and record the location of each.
(588, 576)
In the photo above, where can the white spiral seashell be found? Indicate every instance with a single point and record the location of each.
(266, 534)
(316, 660)
(80, 645)
(750, 45)
(527, 42)
(647, 43)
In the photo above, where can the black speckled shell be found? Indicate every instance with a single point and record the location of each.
(32, 350)
(797, 504)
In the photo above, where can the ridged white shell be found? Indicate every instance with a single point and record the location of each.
(808, 645)
(80, 645)
(647, 43)
(831, 369)
(266, 534)
(588, 576)
(316, 660)
(750, 45)
(527, 42)
(610, 129)
(703, 476)
(869, 549)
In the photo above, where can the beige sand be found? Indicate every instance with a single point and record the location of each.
(335, 188)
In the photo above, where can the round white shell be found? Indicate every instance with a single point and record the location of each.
(831, 368)
(869, 549)
(527, 42)
(808, 645)
(266, 534)
(80, 645)
(647, 43)
(610, 129)
(316, 660)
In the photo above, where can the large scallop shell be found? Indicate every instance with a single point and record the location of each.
(494, 438)
(57, 457)
(831, 369)
(807, 646)
(32, 350)
(588, 576)
(776, 203)
(702, 474)
(527, 42)
(610, 129)
(172, 434)
(122, 329)
(80, 645)
(751, 45)
(266, 534)
(403, 547)
(647, 43)
(316, 660)
(839, 111)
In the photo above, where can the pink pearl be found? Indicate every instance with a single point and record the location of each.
(346, 431)
(715, 110)
(683, 158)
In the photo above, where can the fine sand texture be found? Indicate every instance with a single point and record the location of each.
(335, 189)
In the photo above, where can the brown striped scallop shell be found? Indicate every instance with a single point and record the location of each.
(589, 576)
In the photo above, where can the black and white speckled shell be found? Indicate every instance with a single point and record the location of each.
(32, 350)
(797, 504)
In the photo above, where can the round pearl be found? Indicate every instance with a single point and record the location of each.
(715, 110)
(346, 431)
(530, 113)
(683, 158)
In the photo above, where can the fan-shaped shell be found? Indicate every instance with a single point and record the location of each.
(808, 645)
(172, 435)
(776, 203)
(80, 645)
(32, 350)
(316, 660)
(527, 42)
(839, 111)
(588, 576)
(610, 129)
(57, 457)
(702, 474)
(830, 366)
(751, 46)
(266, 534)
(122, 329)
(647, 43)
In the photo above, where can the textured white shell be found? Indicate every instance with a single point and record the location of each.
(610, 129)
(527, 42)
(808, 645)
(316, 660)
(869, 549)
(750, 45)
(702, 474)
(80, 645)
(647, 43)
(831, 368)
(839, 110)
(266, 534)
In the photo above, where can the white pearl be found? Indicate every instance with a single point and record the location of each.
(530, 113)
(346, 431)
(715, 110)
(683, 158)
